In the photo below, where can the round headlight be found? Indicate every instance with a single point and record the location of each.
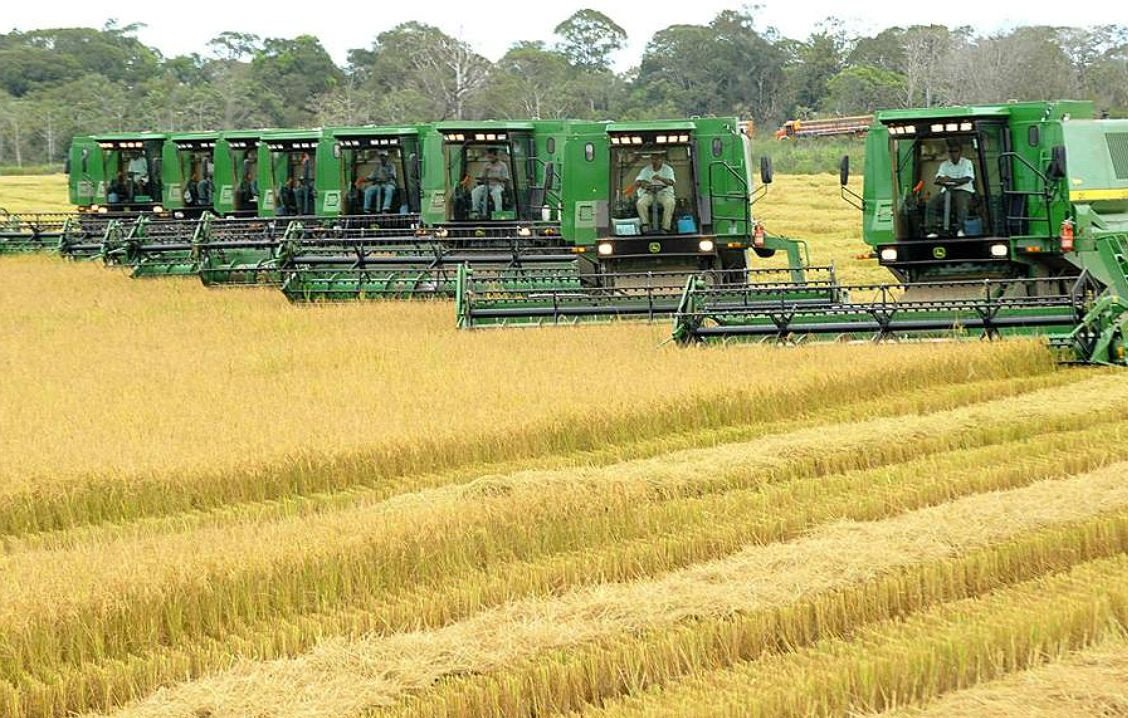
(999, 250)
(705, 245)
(889, 254)
(524, 232)
(605, 249)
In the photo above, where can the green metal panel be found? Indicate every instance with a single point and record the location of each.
(236, 173)
(86, 180)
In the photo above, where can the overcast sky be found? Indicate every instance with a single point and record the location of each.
(491, 26)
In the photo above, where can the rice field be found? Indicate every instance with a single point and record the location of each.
(214, 503)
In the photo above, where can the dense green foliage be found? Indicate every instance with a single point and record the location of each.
(56, 83)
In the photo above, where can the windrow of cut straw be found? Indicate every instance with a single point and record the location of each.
(109, 599)
(1090, 682)
(511, 649)
(688, 530)
(905, 662)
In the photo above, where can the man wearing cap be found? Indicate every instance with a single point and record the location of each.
(655, 183)
(494, 179)
(381, 180)
(956, 178)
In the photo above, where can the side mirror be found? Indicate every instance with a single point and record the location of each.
(765, 169)
(844, 170)
(549, 175)
(85, 160)
(66, 165)
(1057, 162)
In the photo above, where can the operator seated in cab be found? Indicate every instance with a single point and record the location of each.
(956, 179)
(493, 182)
(655, 183)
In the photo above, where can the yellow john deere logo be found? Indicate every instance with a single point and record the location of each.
(655, 247)
(939, 252)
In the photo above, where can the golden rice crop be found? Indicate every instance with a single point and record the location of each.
(142, 397)
(279, 510)
(34, 193)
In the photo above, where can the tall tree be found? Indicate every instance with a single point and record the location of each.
(820, 57)
(862, 89)
(928, 51)
(296, 71)
(438, 73)
(588, 38)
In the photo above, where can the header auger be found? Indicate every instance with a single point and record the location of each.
(1036, 247)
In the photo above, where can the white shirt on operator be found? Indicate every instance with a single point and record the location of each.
(648, 173)
(958, 170)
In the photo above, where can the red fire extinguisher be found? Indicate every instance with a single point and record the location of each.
(758, 236)
(1067, 235)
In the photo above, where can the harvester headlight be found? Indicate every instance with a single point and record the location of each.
(999, 250)
(157, 209)
(441, 232)
(103, 210)
(524, 232)
(705, 245)
(605, 249)
(95, 208)
(889, 254)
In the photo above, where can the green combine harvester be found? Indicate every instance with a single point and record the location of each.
(444, 211)
(635, 239)
(1038, 246)
(113, 180)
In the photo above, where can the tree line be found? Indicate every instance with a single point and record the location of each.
(58, 83)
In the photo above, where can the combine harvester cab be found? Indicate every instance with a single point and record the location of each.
(444, 212)
(634, 256)
(114, 180)
(1037, 245)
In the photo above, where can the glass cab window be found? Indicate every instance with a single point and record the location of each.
(132, 169)
(486, 176)
(293, 177)
(381, 179)
(244, 168)
(197, 173)
(641, 202)
(926, 202)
